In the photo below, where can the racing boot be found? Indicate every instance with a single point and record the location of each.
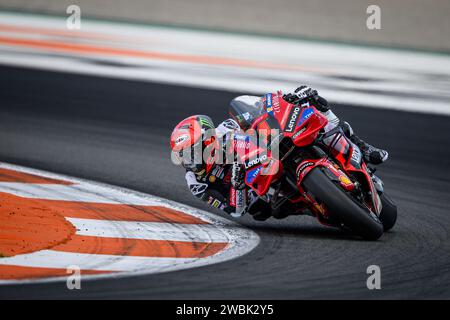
(258, 207)
(371, 154)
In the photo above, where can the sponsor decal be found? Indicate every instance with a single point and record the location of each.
(298, 133)
(345, 180)
(232, 197)
(240, 202)
(255, 161)
(276, 104)
(206, 122)
(216, 203)
(251, 176)
(269, 107)
(292, 119)
(319, 208)
(303, 167)
(218, 172)
(181, 139)
(243, 145)
(356, 154)
(306, 114)
(240, 137)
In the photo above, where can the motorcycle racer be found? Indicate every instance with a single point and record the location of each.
(222, 185)
(209, 181)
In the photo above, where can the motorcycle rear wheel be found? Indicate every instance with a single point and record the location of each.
(353, 215)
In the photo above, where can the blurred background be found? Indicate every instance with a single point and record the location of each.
(405, 23)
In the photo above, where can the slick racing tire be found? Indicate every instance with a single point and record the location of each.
(388, 215)
(350, 213)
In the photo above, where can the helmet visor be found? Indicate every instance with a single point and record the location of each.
(191, 158)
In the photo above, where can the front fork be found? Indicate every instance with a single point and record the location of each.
(331, 170)
(335, 173)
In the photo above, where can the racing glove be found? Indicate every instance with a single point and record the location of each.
(305, 94)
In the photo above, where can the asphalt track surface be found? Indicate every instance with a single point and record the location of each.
(117, 131)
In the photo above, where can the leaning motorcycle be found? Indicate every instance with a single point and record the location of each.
(316, 173)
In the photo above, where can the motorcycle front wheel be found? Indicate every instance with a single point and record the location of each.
(388, 215)
(347, 210)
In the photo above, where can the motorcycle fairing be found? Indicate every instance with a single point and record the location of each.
(260, 178)
(350, 158)
(334, 173)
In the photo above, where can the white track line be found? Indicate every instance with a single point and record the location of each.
(149, 230)
(234, 81)
(79, 192)
(373, 77)
(100, 262)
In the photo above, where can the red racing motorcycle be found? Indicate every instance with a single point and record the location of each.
(313, 172)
